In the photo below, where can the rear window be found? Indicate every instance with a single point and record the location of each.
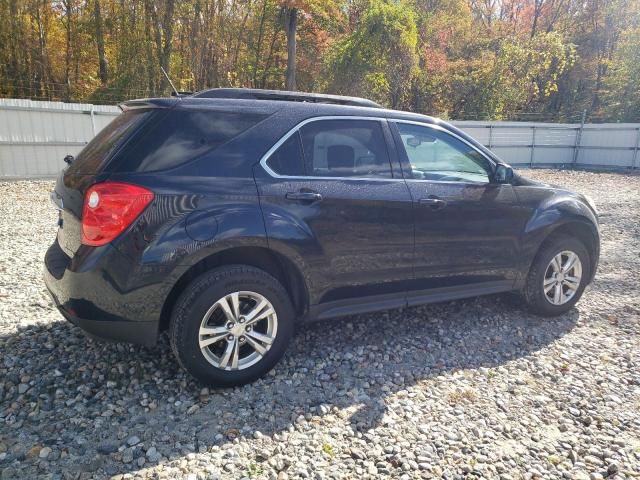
(98, 150)
(179, 136)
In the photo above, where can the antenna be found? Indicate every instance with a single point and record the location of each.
(170, 82)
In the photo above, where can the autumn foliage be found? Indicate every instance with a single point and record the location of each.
(497, 59)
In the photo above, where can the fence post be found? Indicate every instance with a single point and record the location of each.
(93, 122)
(490, 136)
(635, 150)
(533, 147)
(576, 149)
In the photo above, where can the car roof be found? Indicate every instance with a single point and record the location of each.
(297, 108)
(295, 111)
(284, 95)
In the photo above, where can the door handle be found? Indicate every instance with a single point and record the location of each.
(434, 203)
(304, 196)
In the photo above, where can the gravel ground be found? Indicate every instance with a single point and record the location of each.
(466, 389)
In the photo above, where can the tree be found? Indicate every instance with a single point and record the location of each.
(378, 59)
(454, 58)
(291, 12)
(102, 59)
(621, 89)
(291, 25)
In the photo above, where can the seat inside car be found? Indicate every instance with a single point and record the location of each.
(340, 158)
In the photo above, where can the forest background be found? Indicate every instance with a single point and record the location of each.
(548, 60)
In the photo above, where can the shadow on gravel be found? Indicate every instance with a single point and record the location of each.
(86, 399)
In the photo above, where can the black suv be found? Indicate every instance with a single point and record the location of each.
(228, 216)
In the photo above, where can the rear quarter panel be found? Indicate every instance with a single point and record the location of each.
(190, 219)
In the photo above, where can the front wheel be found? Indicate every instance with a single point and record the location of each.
(231, 325)
(558, 276)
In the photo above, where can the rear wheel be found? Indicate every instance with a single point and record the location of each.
(231, 325)
(558, 276)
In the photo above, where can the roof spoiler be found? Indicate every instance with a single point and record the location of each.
(147, 103)
(286, 96)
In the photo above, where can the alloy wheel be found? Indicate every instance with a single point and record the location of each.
(238, 330)
(562, 277)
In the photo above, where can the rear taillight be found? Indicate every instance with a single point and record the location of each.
(109, 208)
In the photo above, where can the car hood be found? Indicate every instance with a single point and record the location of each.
(520, 180)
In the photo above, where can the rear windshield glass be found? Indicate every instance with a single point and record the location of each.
(182, 135)
(92, 157)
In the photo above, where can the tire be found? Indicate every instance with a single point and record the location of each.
(541, 302)
(212, 295)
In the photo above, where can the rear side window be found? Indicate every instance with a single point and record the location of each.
(287, 159)
(179, 136)
(345, 148)
(98, 150)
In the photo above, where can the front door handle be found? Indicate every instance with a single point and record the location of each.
(304, 196)
(433, 202)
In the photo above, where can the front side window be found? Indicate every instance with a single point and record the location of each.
(345, 148)
(435, 155)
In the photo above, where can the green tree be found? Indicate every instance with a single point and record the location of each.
(378, 59)
(621, 92)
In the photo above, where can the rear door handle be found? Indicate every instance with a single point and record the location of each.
(435, 203)
(304, 196)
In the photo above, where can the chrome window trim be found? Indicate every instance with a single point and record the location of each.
(296, 128)
(265, 157)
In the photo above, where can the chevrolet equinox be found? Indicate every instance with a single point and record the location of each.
(228, 216)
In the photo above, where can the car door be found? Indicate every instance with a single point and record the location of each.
(466, 226)
(332, 196)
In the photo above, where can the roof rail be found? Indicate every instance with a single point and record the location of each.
(285, 96)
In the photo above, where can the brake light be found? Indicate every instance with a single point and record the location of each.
(109, 208)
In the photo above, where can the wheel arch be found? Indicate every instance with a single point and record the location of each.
(582, 230)
(272, 262)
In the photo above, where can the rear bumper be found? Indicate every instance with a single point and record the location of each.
(91, 292)
(141, 333)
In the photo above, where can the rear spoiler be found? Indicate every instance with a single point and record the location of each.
(148, 103)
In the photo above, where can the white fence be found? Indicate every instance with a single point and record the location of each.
(601, 146)
(35, 136)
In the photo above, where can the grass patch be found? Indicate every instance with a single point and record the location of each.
(460, 396)
(554, 460)
(254, 470)
(327, 449)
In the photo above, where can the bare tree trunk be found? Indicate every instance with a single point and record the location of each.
(67, 71)
(168, 34)
(163, 33)
(102, 59)
(259, 44)
(151, 78)
(43, 71)
(291, 21)
(267, 66)
(537, 11)
(14, 65)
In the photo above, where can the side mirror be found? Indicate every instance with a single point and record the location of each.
(504, 174)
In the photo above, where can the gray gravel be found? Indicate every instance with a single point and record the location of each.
(475, 388)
